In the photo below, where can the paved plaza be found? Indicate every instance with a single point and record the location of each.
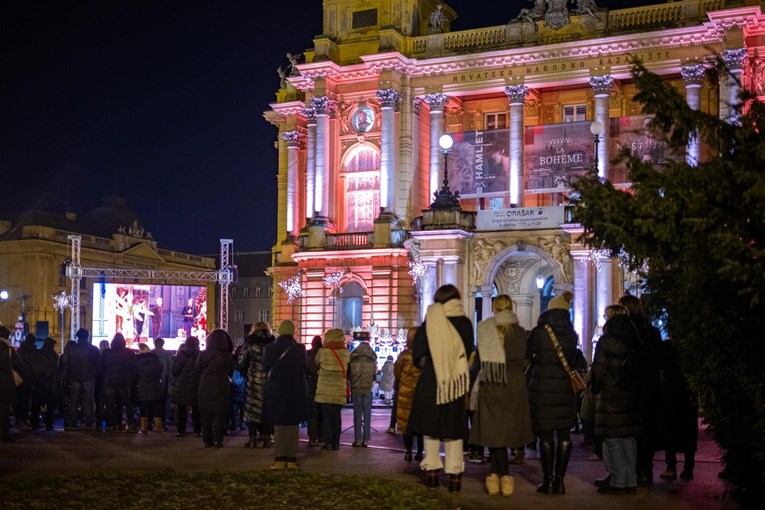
(42, 454)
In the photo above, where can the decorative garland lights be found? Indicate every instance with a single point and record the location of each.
(293, 287)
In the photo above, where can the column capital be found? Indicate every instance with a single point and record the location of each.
(516, 93)
(602, 84)
(417, 105)
(294, 139)
(309, 112)
(693, 75)
(437, 102)
(734, 59)
(389, 98)
(323, 105)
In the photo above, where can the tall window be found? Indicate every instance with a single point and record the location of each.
(246, 292)
(239, 316)
(258, 291)
(351, 302)
(495, 120)
(574, 112)
(362, 170)
(264, 316)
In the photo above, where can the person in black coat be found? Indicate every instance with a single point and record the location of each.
(312, 379)
(553, 403)
(119, 369)
(616, 386)
(441, 348)
(285, 403)
(185, 390)
(80, 364)
(24, 391)
(214, 368)
(648, 443)
(9, 361)
(250, 366)
(46, 382)
(681, 413)
(151, 391)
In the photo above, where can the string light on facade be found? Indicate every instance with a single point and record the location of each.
(61, 301)
(332, 278)
(597, 257)
(293, 287)
(418, 270)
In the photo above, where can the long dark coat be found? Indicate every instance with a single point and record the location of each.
(8, 359)
(286, 395)
(502, 418)
(445, 421)
(553, 403)
(185, 389)
(214, 367)
(80, 361)
(118, 366)
(251, 367)
(618, 408)
(150, 385)
(679, 405)
(46, 379)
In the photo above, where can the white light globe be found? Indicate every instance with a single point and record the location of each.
(3, 294)
(540, 281)
(596, 128)
(446, 142)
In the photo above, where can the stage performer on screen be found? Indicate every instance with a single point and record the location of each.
(156, 320)
(120, 309)
(140, 312)
(188, 317)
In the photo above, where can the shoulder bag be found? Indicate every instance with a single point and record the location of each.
(577, 382)
(345, 378)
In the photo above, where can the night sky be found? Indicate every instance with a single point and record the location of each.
(159, 102)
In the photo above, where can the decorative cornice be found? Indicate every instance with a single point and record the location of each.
(437, 102)
(389, 98)
(602, 84)
(516, 93)
(693, 74)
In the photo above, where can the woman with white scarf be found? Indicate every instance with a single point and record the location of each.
(502, 418)
(441, 349)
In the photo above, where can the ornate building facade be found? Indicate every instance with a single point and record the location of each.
(529, 104)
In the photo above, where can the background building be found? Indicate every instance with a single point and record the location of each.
(250, 294)
(367, 225)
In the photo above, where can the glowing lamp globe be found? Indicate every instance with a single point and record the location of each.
(446, 142)
(596, 128)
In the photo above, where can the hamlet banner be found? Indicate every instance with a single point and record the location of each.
(479, 164)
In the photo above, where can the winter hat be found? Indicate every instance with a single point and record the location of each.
(562, 302)
(334, 335)
(82, 334)
(5, 333)
(389, 358)
(286, 328)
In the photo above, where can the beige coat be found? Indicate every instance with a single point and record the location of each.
(331, 387)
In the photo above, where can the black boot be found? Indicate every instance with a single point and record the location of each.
(547, 459)
(561, 463)
(455, 482)
(251, 442)
(267, 441)
(431, 478)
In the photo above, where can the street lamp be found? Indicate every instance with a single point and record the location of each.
(596, 128)
(445, 199)
(3, 296)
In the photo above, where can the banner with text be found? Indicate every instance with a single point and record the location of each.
(556, 154)
(479, 163)
(632, 133)
(520, 218)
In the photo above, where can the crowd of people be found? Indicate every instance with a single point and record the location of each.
(505, 390)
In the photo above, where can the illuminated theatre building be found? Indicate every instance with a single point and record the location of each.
(367, 225)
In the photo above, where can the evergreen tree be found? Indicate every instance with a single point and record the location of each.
(697, 235)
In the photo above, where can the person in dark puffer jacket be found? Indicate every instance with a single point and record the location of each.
(119, 369)
(185, 390)
(618, 410)
(362, 370)
(553, 403)
(251, 367)
(214, 368)
(151, 391)
(46, 383)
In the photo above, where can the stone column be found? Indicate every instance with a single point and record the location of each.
(602, 86)
(440, 274)
(322, 106)
(486, 309)
(516, 95)
(734, 61)
(437, 103)
(582, 308)
(604, 296)
(693, 76)
(310, 160)
(389, 100)
(293, 141)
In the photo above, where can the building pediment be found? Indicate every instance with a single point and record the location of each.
(143, 251)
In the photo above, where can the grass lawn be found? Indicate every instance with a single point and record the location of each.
(169, 489)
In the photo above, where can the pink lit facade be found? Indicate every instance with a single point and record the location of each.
(359, 158)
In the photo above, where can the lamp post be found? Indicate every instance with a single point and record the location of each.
(61, 302)
(596, 128)
(445, 199)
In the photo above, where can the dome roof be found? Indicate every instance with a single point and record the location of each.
(108, 218)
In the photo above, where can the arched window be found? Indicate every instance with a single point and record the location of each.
(362, 188)
(351, 302)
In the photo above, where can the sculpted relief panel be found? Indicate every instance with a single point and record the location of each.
(510, 274)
